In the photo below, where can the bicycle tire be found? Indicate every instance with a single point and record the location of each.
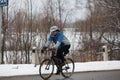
(68, 68)
(46, 69)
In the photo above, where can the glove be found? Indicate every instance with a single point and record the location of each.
(51, 49)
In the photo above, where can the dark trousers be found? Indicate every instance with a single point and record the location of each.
(61, 51)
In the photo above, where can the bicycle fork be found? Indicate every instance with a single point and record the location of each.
(48, 65)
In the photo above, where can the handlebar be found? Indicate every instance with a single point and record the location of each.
(50, 49)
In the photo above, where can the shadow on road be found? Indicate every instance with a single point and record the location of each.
(64, 79)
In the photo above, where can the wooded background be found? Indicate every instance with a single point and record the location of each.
(19, 29)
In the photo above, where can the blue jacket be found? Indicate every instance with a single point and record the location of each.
(59, 39)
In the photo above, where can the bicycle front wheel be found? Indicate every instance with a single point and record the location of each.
(68, 68)
(46, 69)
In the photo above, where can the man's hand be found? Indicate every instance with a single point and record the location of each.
(51, 49)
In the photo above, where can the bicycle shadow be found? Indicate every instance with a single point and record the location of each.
(64, 79)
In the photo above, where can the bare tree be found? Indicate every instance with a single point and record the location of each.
(102, 22)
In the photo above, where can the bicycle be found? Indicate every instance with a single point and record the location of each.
(47, 66)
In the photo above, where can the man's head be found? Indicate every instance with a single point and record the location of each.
(53, 30)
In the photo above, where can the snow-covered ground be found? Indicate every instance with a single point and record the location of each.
(29, 69)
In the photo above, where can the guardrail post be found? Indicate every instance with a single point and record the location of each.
(34, 56)
(105, 53)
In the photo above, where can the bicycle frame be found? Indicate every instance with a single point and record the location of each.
(55, 60)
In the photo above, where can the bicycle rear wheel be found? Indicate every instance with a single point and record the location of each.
(68, 68)
(46, 69)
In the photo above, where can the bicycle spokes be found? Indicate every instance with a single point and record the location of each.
(46, 69)
(68, 68)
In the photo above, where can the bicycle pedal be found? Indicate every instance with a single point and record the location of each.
(47, 68)
(67, 67)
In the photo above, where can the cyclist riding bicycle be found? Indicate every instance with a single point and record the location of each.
(62, 44)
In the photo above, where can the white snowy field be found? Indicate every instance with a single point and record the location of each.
(29, 69)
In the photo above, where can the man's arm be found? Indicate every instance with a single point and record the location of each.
(56, 45)
(59, 41)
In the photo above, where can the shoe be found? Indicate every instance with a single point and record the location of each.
(58, 72)
(63, 64)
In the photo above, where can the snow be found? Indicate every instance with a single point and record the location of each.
(30, 69)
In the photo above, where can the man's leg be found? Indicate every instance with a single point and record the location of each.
(66, 49)
(59, 56)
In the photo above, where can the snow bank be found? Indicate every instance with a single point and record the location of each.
(29, 69)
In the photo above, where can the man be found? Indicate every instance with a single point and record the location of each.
(62, 44)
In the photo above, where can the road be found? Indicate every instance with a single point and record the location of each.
(101, 75)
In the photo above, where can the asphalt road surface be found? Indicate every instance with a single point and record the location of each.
(101, 75)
